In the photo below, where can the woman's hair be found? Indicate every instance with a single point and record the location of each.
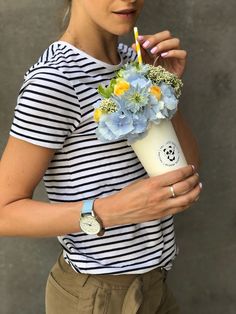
(67, 12)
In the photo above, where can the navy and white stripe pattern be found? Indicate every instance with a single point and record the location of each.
(54, 110)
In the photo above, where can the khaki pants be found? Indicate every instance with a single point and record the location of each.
(68, 292)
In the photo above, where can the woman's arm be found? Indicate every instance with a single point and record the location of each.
(21, 169)
(167, 50)
(23, 166)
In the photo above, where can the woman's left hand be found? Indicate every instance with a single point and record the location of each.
(167, 48)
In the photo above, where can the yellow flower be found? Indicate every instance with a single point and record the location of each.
(156, 91)
(121, 87)
(97, 115)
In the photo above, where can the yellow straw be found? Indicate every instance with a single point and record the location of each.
(140, 61)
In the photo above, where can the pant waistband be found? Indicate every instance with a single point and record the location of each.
(119, 280)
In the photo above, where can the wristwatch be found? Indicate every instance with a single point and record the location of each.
(89, 222)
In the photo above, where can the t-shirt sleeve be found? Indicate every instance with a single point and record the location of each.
(128, 54)
(47, 109)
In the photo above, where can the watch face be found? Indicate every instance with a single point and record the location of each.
(89, 224)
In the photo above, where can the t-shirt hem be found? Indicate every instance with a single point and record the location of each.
(35, 142)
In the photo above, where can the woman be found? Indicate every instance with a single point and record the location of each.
(94, 186)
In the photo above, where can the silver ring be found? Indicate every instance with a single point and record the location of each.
(172, 191)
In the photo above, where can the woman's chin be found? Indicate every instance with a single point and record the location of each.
(123, 30)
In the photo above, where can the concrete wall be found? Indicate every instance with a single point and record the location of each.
(203, 278)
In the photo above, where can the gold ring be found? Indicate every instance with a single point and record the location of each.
(172, 191)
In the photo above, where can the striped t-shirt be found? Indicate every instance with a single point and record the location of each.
(55, 110)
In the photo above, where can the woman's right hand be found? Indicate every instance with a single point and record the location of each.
(151, 198)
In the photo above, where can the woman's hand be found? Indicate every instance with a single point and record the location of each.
(151, 198)
(166, 49)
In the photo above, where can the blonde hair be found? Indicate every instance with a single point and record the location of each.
(67, 13)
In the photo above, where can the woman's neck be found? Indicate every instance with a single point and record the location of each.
(100, 49)
(91, 39)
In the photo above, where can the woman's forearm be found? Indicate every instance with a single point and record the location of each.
(187, 140)
(31, 218)
(22, 216)
(141, 201)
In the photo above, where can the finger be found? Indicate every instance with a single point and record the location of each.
(170, 44)
(186, 199)
(176, 210)
(183, 187)
(174, 176)
(145, 55)
(150, 40)
(143, 51)
(178, 54)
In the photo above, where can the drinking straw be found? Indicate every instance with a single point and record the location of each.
(140, 61)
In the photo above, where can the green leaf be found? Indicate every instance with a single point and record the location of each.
(120, 73)
(104, 91)
(136, 64)
(113, 83)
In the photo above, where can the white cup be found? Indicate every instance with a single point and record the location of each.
(159, 151)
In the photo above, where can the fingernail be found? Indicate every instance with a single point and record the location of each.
(164, 54)
(197, 174)
(200, 184)
(146, 44)
(197, 199)
(193, 167)
(140, 37)
(154, 50)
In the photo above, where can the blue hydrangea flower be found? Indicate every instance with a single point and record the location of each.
(131, 72)
(128, 114)
(167, 105)
(140, 123)
(136, 98)
(153, 109)
(132, 137)
(103, 133)
(140, 82)
(115, 123)
(169, 97)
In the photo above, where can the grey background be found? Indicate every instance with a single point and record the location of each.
(203, 277)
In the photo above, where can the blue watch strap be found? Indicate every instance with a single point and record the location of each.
(87, 206)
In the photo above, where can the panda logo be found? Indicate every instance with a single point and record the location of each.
(169, 154)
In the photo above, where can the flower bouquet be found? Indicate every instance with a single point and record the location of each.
(138, 105)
